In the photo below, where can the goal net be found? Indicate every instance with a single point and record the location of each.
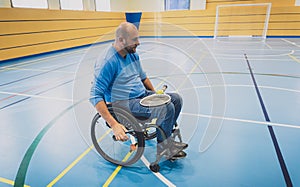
(242, 20)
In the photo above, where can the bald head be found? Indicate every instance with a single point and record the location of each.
(124, 29)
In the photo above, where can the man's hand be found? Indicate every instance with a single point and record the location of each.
(118, 129)
(119, 132)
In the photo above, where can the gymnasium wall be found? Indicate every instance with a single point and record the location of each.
(284, 20)
(26, 32)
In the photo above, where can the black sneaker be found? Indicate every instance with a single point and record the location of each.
(170, 148)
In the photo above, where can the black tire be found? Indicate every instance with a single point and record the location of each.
(154, 167)
(118, 152)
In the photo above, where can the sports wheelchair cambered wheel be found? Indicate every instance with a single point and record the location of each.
(118, 152)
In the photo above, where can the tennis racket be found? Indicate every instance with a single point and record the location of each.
(157, 99)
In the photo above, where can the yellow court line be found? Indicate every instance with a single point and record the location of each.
(116, 171)
(112, 176)
(294, 58)
(75, 161)
(193, 69)
(11, 182)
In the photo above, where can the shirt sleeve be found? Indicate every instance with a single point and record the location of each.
(103, 77)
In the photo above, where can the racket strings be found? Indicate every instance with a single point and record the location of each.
(155, 100)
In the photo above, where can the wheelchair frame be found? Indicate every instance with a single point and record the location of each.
(125, 153)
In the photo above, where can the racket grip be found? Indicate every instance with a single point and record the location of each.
(162, 90)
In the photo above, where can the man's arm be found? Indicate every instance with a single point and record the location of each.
(148, 85)
(118, 129)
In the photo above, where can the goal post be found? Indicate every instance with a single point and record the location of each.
(242, 20)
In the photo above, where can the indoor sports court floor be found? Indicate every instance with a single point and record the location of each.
(240, 115)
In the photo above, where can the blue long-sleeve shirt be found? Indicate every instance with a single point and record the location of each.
(117, 78)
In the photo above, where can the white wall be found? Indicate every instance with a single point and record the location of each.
(149, 5)
(144, 5)
(137, 5)
(198, 4)
(103, 5)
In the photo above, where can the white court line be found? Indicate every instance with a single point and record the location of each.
(36, 96)
(293, 43)
(158, 175)
(272, 87)
(243, 120)
(236, 41)
(250, 58)
(239, 49)
(267, 55)
(241, 85)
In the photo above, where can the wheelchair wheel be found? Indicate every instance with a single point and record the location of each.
(118, 152)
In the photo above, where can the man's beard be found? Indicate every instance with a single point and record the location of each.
(130, 49)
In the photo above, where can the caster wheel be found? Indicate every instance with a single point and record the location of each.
(154, 167)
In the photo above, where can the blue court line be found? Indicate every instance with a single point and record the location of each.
(284, 170)
(36, 94)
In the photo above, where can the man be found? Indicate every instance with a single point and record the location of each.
(120, 80)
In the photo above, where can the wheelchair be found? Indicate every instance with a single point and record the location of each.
(129, 152)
